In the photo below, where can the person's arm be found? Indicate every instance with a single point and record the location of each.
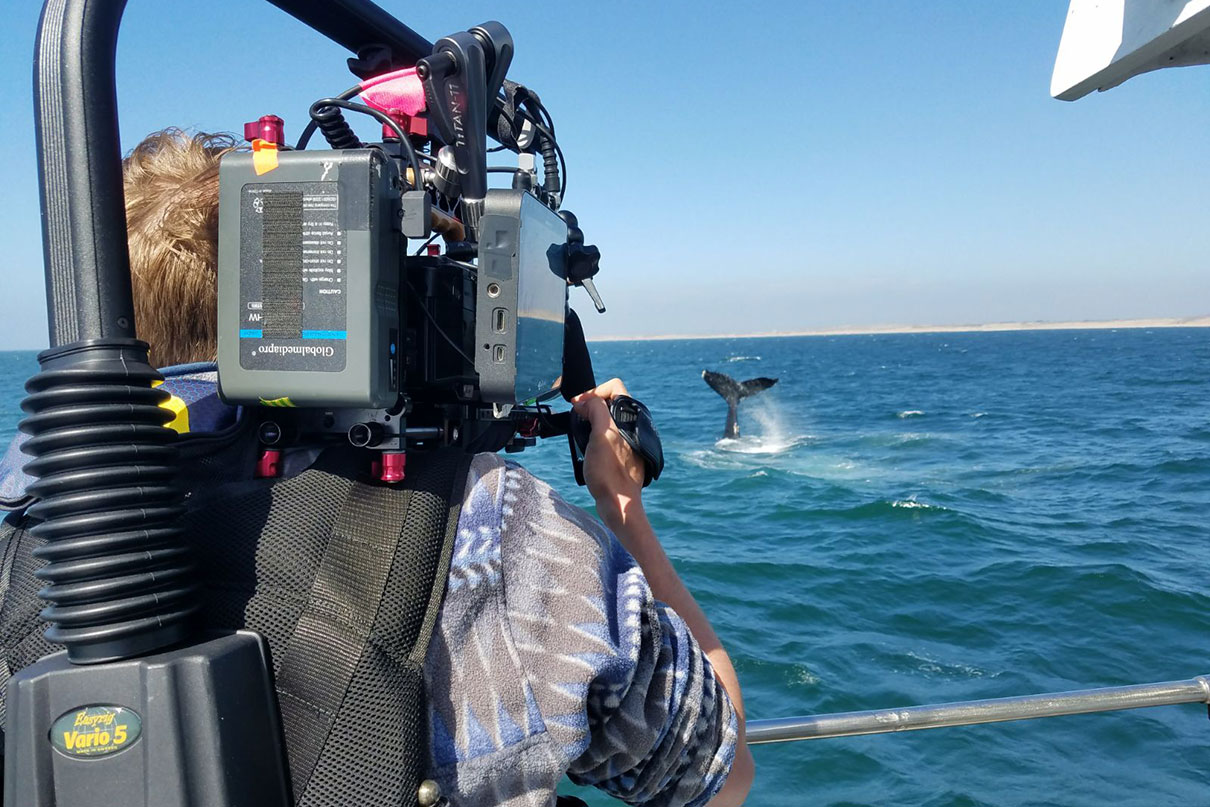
(615, 479)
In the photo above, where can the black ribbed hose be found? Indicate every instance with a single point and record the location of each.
(119, 580)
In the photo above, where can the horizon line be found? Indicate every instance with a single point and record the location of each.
(874, 330)
(988, 327)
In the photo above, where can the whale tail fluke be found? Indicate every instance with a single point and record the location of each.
(733, 392)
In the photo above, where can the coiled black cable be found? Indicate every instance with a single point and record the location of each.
(550, 166)
(119, 579)
(323, 104)
(333, 126)
(309, 129)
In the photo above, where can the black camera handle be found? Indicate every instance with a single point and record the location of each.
(637, 427)
(633, 419)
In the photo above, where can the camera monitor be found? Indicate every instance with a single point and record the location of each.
(521, 300)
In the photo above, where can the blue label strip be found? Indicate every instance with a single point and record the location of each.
(254, 333)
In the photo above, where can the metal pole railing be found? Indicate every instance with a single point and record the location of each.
(966, 713)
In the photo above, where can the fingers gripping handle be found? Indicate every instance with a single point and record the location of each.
(637, 428)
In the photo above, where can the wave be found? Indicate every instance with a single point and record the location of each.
(1153, 474)
(908, 438)
(759, 445)
(733, 359)
(790, 674)
(918, 662)
(897, 439)
(801, 675)
(884, 507)
(733, 455)
(910, 413)
(1182, 465)
(912, 504)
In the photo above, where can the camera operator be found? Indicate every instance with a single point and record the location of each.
(561, 647)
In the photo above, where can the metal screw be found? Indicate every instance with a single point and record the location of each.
(429, 793)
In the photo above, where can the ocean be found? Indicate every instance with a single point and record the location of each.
(923, 518)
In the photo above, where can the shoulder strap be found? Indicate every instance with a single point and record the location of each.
(350, 682)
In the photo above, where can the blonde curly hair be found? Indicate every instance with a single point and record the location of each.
(171, 184)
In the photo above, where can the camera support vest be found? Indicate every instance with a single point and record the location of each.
(343, 577)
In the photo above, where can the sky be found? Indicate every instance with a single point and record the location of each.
(749, 167)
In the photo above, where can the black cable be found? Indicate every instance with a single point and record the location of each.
(423, 246)
(385, 120)
(535, 102)
(310, 128)
(538, 125)
(550, 122)
(542, 129)
(527, 105)
(549, 133)
(433, 322)
(545, 126)
(335, 129)
(563, 176)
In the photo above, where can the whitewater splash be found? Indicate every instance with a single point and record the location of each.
(767, 432)
(757, 445)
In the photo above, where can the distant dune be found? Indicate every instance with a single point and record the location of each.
(1187, 322)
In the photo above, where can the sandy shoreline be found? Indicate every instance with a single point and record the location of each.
(1186, 322)
(1074, 325)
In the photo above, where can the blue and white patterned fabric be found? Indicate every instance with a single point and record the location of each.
(551, 656)
(557, 659)
(13, 479)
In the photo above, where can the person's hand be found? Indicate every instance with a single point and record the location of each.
(613, 472)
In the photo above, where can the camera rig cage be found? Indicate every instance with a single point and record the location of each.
(328, 318)
(107, 494)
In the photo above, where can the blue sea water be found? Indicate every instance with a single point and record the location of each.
(938, 517)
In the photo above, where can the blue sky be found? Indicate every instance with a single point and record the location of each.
(748, 167)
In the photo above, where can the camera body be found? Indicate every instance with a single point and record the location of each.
(322, 309)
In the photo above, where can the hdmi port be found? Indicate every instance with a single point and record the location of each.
(499, 320)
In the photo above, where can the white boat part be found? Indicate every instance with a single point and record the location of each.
(1106, 42)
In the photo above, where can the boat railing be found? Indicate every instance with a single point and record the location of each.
(969, 713)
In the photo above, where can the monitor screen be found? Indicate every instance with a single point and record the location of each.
(541, 301)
